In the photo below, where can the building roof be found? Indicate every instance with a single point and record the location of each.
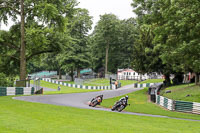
(125, 70)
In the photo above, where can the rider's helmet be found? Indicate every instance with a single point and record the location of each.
(126, 96)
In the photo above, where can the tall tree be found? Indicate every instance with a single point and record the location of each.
(49, 13)
(175, 27)
(105, 34)
(121, 35)
(81, 23)
(76, 54)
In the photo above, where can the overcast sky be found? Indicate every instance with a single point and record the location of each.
(121, 8)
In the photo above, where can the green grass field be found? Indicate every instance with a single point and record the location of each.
(140, 104)
(103, 82)
(179, 92)
(97, 82)
(26, 117)
(127, 82)
(152, 81)
(93, 82)
(64, 89)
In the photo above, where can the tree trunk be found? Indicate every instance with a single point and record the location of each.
(196, 78)
(72, 73)
(167, 80)
(59, 72)
(106, 62)
(140, 77)
(199, 79)
(22, 49)
(78, 72)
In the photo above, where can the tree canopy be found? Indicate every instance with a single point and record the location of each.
(38, 19)
(174, 26)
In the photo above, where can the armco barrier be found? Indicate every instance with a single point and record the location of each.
(164, 102)
(136, 85)
(8, 91)
(179, 106)
(188, 107)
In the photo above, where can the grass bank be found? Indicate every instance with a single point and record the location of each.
(140, 104)
(127, 82)
(64, 89)
(152, 81)
(187, 92)
(103, 82)
(26, 117)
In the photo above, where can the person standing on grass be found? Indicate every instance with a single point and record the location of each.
(58, 88)
(116, 83)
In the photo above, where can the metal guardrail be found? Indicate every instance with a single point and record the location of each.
(188, 107)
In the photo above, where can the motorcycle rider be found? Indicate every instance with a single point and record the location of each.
(99, 97)
(123, 99)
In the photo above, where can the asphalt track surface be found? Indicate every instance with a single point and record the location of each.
(80, 100)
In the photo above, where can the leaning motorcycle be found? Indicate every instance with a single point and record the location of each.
(119, 106)
(96, 101)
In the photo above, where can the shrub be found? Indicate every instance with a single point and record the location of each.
(5, 81)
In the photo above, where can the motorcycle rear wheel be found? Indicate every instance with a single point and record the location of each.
(94, 104)
(120, 108)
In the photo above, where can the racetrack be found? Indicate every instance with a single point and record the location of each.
(80, 100)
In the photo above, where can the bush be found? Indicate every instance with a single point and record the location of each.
(5, 81)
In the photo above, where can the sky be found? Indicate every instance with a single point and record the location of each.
(121, 8)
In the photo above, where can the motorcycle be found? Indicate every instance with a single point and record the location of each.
(96, 101)
(120, 105)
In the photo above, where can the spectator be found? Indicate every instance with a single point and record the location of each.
(58, 88)
(116, 83)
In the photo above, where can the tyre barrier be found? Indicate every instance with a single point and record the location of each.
(77, 86)
(136, 85)
(179, 106)
(164, 102)
(8, 91)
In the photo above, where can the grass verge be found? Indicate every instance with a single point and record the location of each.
(103, 82)
(26, 117)
(152, 81)
(187, 92)
(127, 82)
(140, 104)
(97, 82)
(64, 89)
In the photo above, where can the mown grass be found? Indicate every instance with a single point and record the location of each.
(106, 82)
(64, 89)
(152, 81)
(140, 104)
(180, 92)
(127, 82)
(103, 82)
(97, 82)
(26, 117)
